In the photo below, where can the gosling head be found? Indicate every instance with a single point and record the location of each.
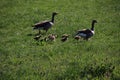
(77, 37)
(65, 35)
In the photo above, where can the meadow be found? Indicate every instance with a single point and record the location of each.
(23, 58)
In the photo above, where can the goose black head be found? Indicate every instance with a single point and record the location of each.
(55, 13)
(94, 21)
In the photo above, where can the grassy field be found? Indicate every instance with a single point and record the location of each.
(23, 58)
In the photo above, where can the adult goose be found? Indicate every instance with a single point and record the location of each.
(45, 25)
(87, 33)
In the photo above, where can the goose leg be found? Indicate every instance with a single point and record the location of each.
(46, 30)
(39, 31)
(87, 39)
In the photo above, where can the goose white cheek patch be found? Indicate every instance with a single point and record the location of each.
(51, 23)
(93, 32)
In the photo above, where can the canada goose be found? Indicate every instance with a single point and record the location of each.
(64, 37)
(52, 37)
(87, 33)
(45, 25)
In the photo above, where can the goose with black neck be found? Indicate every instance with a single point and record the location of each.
(87, 33)
(45, 25)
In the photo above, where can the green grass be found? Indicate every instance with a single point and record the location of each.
(23, 58)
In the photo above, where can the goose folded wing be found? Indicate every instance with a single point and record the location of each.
(41, 23)
(85, 31)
